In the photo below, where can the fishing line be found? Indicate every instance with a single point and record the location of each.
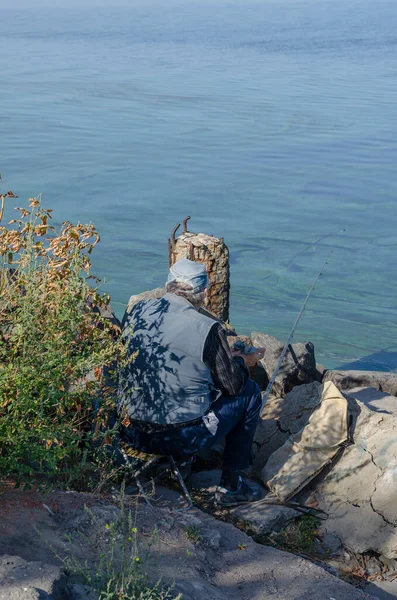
(291, 335)
(300, 253)
(313, 244)
(86, 177)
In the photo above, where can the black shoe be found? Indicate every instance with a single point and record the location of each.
(244, 493)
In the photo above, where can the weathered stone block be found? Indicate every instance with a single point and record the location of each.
(20, 578)
(359, 492)
(346, 380)
(298, 367)
(265, 518)
(282, 417)
(156, 293)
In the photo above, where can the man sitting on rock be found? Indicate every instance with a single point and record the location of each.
(186, 390)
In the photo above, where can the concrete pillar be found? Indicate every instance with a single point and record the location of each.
(212, 251)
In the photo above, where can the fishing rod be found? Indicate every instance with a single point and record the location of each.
(291, 335)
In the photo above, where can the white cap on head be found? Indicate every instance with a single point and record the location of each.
(190, 272)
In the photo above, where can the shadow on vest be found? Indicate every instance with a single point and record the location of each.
(167, 382)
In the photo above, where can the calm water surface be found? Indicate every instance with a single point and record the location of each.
(273, 123)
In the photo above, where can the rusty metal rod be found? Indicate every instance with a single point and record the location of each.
(185, 224)
(173, 241)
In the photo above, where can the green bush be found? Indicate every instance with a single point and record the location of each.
(54, 348)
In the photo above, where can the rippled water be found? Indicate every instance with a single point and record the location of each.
(273, 123)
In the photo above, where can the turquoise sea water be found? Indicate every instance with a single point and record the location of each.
(273, 123)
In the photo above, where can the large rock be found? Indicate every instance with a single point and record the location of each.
(384, 590)
(346, 380)
(307, 452)
(149, 295)
(24, 580)
(263, 519)
(299, 364)
(282, 417)
(106, 312)
(359, 491)
(259, 519)
(205, 558)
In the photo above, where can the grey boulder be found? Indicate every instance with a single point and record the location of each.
(359, 491)
(346, 380)
(263, 519)
(24, 580)
(298, 366)
(149, 295)
(282, 417)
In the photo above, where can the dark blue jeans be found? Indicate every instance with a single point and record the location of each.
(238, 418)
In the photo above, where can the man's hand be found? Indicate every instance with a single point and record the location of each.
(250, 359)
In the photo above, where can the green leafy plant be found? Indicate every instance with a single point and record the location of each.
(193, 533)
(299, 536)
(56, 351)
(118, 569)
